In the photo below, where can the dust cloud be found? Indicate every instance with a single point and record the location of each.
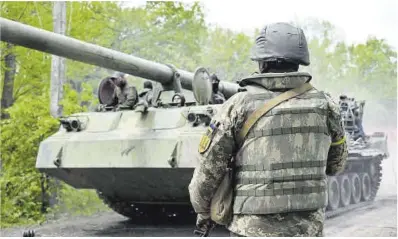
(381, 116)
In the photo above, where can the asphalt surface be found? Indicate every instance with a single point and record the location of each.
(376, 220)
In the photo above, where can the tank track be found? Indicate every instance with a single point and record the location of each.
(123, 208)
(340, 211)
(375, 180)
(129, 212)
(149, 213)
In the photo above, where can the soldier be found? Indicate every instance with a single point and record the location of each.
(358, 124)
(179, 99)
(343, 102)
(280, 167)
(218, 97)
(126, 95)
(147, 92)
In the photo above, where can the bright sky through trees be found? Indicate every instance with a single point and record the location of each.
(355, 20)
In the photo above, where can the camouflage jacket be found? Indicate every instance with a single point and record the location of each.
(147, 95)
(127, 96)
(218, 98)
(222, 147)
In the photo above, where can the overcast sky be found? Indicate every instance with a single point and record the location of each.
(355, 19)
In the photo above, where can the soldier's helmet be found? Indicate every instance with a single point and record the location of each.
(281, 42)
(343, 97)
(148, 85)
(214, 78)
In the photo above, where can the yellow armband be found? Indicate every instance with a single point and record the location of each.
(341, 141)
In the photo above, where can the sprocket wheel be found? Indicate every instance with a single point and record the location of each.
(375, 174)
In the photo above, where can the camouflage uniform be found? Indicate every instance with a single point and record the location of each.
(127, 96)
(358, 123)
(147, 93)
(218, 98)
(223, 146)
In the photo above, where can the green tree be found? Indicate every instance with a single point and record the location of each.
(165, 32)
(21, 184)
(365, 70)
(373, 65)
(232, 61)
(32, 66)
(25, 190)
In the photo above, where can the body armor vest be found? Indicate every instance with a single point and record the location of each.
(281, 164)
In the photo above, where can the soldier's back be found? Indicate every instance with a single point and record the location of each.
(296, 223)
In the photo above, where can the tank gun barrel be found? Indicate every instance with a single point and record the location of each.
(68, 47)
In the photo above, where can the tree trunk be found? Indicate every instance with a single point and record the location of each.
(58, 63)
(58, 70)
(7, 98)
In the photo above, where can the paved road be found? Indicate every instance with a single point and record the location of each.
(376, 220)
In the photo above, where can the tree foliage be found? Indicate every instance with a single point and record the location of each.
(367, 70)
(21, 183)
(167, 32)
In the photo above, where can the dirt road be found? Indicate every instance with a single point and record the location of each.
(376, 220)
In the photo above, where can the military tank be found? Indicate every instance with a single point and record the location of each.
(360, 180)
(141, 161)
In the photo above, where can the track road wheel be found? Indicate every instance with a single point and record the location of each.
(345, 190)
(365, 186)
(355, 188)
(333, 193)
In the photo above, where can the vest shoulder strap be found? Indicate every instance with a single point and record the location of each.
(256, 115)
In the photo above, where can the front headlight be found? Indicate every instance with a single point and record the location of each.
(73, 123)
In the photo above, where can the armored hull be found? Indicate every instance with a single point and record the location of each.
(142, 158)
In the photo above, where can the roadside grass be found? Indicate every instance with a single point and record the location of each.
(71, 202)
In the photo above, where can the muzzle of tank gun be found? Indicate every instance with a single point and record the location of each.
(71, 124)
